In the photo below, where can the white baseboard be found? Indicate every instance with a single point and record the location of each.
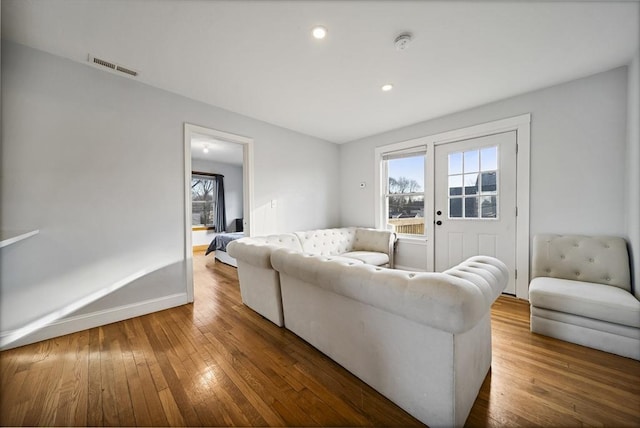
(95, 319)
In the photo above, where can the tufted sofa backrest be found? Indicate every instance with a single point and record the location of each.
(599, 259)
(452, 301)
(285, 240)
(328, 242)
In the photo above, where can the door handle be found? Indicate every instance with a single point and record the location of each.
(438, 222)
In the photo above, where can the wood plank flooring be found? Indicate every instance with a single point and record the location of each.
(217, 363)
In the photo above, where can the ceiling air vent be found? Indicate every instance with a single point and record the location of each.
(112, 66)
(126, 70)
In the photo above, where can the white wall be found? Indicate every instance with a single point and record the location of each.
(578, 148)
(295, 185)
(633, 169)
(232, 196)
(95, 161)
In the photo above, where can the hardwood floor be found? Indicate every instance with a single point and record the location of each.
(217, 363)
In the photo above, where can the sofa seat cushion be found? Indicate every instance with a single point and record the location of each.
(587, 299)
(368, 257)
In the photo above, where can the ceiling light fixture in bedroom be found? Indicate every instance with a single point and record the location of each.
(319, 32)
(387, 87)
(206, 148)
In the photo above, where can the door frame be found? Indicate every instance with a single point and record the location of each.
(522, 125)
(502, 225)
(247, 189)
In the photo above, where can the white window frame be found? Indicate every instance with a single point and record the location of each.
(380, 183)
(522, 125)
(397, 154)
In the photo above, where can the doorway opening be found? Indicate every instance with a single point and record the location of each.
(218, 183)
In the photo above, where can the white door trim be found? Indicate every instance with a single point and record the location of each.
(247, 191)
(522, 125)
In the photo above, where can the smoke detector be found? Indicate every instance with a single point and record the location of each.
(402, 41)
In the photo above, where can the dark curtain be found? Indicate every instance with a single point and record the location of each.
(219, 216)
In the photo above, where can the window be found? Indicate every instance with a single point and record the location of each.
(473, 184)
(404, 177)
(202, 200)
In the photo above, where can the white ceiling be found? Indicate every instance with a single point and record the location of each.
(218, 151)
(258, 58)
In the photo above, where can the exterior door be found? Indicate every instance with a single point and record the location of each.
(475, 201)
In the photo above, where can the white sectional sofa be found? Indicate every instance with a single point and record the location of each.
(260, 283)
(581, 292)
(423, 340)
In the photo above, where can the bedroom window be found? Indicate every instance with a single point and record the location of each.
(404, 178)
(202, 201)
(207, 201)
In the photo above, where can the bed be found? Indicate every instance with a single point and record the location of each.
(219, 247)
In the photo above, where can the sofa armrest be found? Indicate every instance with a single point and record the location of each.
(250, 252)
(492, 270)
(380, 241)
(257, 251)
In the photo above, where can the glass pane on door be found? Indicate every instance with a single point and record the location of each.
(473, 184)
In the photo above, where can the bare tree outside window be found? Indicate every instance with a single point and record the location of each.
(401, 204)
(202, 201)
(405, 193)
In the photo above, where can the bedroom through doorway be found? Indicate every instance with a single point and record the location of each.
(217, 194)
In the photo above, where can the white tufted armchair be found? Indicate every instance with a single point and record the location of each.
(581, 292)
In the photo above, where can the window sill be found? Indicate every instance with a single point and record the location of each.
(195, 228)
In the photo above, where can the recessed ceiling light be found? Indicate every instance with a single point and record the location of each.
(387, 87)
(319, 32)
(206, 148)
